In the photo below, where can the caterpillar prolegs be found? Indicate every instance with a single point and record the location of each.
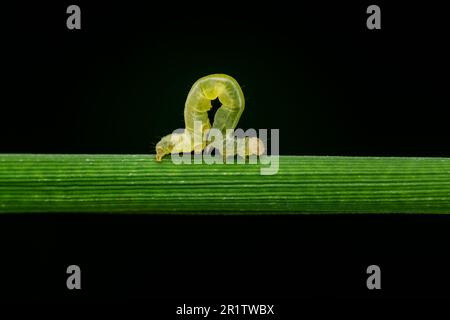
(197, 105)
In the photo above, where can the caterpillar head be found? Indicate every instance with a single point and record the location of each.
(255, 146)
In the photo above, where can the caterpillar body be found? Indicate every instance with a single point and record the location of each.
(197, 105)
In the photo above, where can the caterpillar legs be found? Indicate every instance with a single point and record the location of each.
(229, 146)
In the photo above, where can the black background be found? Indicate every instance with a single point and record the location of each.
(316, 72)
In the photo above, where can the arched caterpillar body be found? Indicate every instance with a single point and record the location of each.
(197, 105)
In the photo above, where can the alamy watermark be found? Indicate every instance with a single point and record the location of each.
(235, 146)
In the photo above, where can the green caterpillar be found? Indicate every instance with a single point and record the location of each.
(197, 105)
